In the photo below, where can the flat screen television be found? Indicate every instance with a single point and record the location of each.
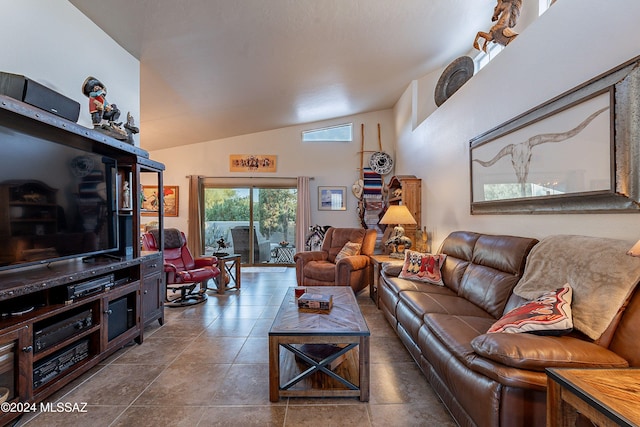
(56, 201)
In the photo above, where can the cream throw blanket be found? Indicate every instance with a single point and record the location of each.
(600, 272)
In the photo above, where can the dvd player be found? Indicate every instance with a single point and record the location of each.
(89, 287)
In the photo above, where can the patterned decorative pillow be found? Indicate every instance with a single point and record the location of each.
(549, 314)
(423, 267)
(349, 249)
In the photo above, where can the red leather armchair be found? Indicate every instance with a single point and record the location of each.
(183, 271)
(319, 268)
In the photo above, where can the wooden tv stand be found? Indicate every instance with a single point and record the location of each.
(59, 320)
(43, 324)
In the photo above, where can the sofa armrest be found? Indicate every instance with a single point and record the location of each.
(392, 268)
(306, 256)
(302, 258)
(536, 352)
(205, 261)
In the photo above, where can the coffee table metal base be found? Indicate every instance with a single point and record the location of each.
(348, 389)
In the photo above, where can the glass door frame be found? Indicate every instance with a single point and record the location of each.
(277, 251)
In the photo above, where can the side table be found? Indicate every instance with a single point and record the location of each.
(374, 281)
(608, 397)
(229, 277)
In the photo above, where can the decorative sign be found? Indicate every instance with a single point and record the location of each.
(252, 163)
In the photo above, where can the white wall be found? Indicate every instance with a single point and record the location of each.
(330, 164)
(54, 44)
(571, 43)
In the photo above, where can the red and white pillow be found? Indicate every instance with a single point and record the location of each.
(549, 314)
(423, 267)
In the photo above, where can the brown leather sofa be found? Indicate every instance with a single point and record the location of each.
(437, 324)
(319, 268)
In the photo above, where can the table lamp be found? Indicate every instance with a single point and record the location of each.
(399, 215)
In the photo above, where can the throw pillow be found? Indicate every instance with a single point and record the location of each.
(349, 249)
(549, 314)
(423, 267)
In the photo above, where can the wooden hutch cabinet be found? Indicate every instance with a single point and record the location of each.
(60, 318)
(407, 190)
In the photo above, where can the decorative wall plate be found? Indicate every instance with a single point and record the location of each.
(381, 162)
(453, 77)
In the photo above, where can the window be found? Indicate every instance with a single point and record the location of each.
(483, 58)
(340, 133)
(494, 49)
(543, 5)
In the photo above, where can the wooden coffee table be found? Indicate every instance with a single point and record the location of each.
(292, 372)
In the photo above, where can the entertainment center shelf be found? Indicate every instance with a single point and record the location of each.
(65, 307)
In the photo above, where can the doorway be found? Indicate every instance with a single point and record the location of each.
(255, 221)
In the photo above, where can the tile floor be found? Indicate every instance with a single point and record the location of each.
(208, 366)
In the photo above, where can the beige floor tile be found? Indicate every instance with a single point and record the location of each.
(414, 415)
(244, 385)
(115, 384)
(328, 416)
(174, 416)
(211, 349)
(95, 416)
(156, 350)
(254, 350)
(245, 416)
(184, 384)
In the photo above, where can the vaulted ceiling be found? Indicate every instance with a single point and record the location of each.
(213, 69)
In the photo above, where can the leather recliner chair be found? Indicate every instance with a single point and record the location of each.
(183, 271)
(319, 268)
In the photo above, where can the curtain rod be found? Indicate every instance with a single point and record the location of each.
(247, 177)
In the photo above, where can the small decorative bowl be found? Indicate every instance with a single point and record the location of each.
(284, 244)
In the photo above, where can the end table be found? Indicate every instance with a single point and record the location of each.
(229, 266)
(374, 281)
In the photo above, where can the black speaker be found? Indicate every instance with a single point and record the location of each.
(125, 235)
(26, 90)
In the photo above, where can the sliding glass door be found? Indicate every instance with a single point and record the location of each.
(256, 222)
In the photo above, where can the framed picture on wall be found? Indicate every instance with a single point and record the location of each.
(533, 163)
(332, 198)
(151, 200)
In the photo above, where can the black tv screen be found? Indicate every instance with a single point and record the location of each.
(56, 201)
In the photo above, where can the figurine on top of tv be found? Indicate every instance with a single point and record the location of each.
(103, 114)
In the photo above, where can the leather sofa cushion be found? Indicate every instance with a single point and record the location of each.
(488, 288)
(455, 332)
(397, 285)
(452, 272)
(535, 352)
(504, 253)
(423, 302)
(459, 249)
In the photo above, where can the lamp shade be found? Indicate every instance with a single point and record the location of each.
(398, 214)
